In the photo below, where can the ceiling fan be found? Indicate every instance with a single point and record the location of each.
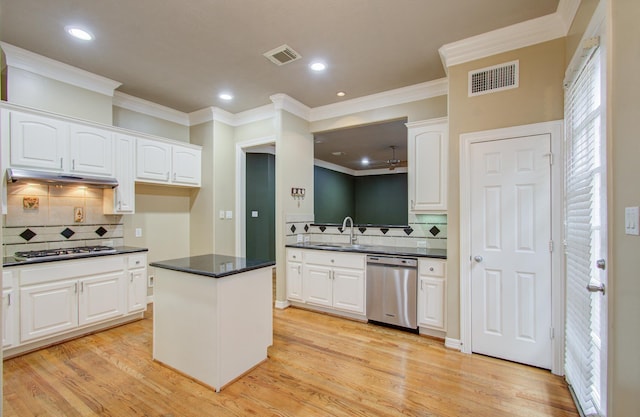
(391, 163)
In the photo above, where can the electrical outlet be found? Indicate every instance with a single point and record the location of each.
(138, 231)
(150, 281)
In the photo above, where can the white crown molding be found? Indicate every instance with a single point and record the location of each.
(291, 105)
(394, 97)
(255, 115)
(38, 64)
(512, 37)
(149, 108)
(209, 114)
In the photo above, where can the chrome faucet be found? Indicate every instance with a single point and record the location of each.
(352, 237)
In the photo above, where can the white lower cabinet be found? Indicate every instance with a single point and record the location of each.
(137, 287)
(62, 297)
(294, 275)
(54, 307)
(334, 280)
(9, 304)
(432, 293)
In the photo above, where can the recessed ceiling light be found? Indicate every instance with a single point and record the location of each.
(338, 153)
(226, 96)
(341, 94)
(318, 66)
(79, 33)
(365, 161)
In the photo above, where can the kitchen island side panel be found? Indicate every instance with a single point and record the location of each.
(212, 329)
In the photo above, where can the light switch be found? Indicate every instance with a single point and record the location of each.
(221, 215)
(229, 214)
(254, 213)
(631, 220)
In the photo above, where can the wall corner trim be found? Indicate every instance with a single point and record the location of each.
(291, 105)
(520, 35)
(47, 67)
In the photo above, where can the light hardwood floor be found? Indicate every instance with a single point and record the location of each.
(318, 366)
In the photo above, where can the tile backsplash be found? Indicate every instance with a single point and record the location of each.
(428, 230)
(43, 216)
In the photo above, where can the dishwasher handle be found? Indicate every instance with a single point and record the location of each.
(392, 260)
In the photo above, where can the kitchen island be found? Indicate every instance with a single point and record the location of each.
(212, 316)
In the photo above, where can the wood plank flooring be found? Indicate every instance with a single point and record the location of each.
(318, 366)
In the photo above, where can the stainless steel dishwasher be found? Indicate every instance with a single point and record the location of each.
(392, 284)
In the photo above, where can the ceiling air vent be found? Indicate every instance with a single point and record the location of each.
(491, 79)
(282, 55)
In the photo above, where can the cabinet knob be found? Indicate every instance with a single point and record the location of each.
(431, 268)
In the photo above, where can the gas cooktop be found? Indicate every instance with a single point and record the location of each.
(62, 252)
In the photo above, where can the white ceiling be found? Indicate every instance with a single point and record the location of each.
(183, 53)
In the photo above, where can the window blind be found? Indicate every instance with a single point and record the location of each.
(583, 137)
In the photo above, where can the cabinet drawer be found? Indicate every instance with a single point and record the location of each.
(137, 261)
(431, 268)
(294, 255)
(337, 259)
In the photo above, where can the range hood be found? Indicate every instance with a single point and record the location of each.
(55, 178)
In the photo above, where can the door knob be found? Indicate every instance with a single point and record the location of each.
(598, 287)
(478, 258)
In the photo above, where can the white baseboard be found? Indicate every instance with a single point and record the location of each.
(282, 304)
(450, 343)
(149, 299)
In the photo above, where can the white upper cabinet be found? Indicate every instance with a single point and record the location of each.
(160, 162)
(186, 165)
(428, 143)
(153, 160)
(57, 145)
(91, 150)
(121, 200)
(38, 142)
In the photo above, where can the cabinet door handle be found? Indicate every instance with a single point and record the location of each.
(421, 285)
(61, 161)
(75, 287)
(9, 299)
(82, 287)
(130, 276)
(174, 176)
(73, 164)
(299, 269)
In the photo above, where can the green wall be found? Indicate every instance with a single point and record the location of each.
(373, 199)
(261, 197)
(381, 199)
(334, 195)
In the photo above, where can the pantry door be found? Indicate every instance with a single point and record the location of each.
(510, 248)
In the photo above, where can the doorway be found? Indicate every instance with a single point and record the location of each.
(260, 212)
(510, 223)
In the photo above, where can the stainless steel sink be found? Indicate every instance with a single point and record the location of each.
(338, 246)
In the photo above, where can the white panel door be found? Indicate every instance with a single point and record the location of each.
(101, 298)
(38, 142)
(153, 160)
(348, 290)
(137, 297)
(91, 150)
(510, 246)
(49, 308)
(317, 285)
(186, 165)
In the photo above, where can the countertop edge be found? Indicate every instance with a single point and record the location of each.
(377, 250)
(211, 274)
(9, 261)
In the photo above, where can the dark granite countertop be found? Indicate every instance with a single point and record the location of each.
(119, 250)
(212, 265)
(374, 249)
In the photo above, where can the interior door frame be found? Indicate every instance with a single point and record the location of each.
(241, 189)
(555, 129)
